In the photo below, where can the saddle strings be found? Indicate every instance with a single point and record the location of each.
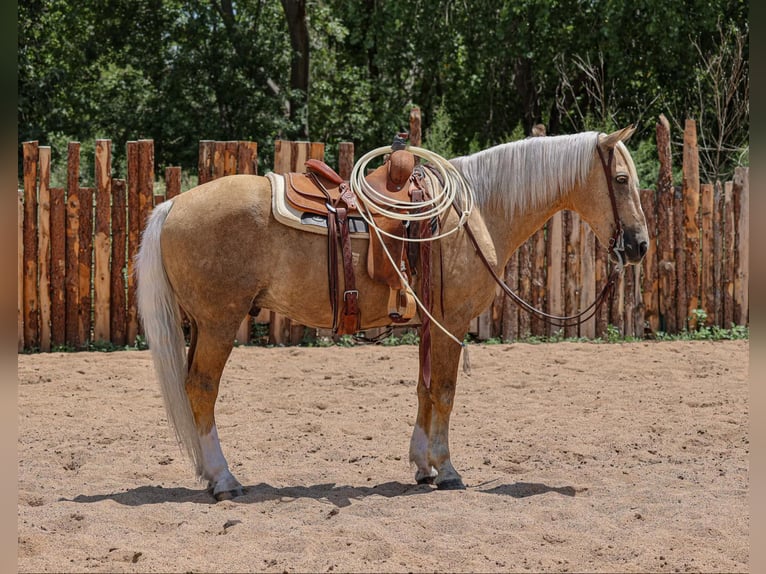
(454, 186)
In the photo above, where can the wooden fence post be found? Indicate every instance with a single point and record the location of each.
(205, 161)
(134, 230)
(539, 328)
(601, 317)
(691, 194)
(679, 253)
(73, 246)
(31, 300)
(85, 264)
(345, 159)
(510, 316)
(666, 265)
(555, 269)
(20, 278)
(247, 158)
(44, 247)
(415, 129)
(118, 300)
(650, 275)
(588, 284)
(707, 249)
(718, 256)
(741, 192)
(572, 268)
(102, 242)
(728, 255)
(172, 182)
(525, 287)
(58, 266)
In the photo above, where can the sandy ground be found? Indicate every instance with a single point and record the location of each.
(577, 457)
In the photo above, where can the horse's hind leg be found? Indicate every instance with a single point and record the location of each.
(208, 358)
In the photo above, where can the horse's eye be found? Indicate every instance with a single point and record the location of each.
(621, 179)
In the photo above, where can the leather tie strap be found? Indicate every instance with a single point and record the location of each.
(350, 321)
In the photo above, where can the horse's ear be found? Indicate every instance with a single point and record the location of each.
(610, 140)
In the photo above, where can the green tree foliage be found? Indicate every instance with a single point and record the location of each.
(485, 70)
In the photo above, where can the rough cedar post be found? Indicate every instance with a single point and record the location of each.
(145, 180)
(539, 328)
(691, 193)
(73, 246)
(510, 312)
(58, 267)
(205, 161)
(247, 158)
(219, 159)
(86, 263)
(666, 265)
(117, 302)
(601, 317)
(617, 305)
(102, 244)
(728, 255)
(629, 301)
(134, 230)
(572, 275)
(718, 233)
(172, 181)
(525, 287)
(415, 131)
(679, 253)
(20, 276)
(741, 191)
(555, 269)
(73, 269)
(345, 159)
(707, 266)
(588, 277)
(44, 247)
(31, 300)
(650, 276)
(145, 186)
(230, 153)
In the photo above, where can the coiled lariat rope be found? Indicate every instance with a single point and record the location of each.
(455, 190)
(454, 187)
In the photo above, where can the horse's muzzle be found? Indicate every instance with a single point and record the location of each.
(635, 248)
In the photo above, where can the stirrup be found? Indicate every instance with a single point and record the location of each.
(401, 306)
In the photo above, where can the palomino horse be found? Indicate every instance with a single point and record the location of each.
(216, 252)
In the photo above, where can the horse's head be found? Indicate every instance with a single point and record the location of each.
(609, 201)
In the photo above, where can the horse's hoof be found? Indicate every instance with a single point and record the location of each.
(451, 484)
(229, 494)
(425, 480)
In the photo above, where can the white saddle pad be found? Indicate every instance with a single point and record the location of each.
(288, 215)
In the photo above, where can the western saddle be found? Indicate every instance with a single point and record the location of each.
(323, 192)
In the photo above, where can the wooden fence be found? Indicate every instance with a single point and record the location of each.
(76, 249)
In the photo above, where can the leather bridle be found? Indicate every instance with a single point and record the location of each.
(616, 248)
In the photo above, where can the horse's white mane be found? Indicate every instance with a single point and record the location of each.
(526, 174)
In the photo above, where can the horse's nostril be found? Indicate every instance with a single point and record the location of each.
(643, 247)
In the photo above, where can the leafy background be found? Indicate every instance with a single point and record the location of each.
(482, 72)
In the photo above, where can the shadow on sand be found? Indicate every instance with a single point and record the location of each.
(340, 496)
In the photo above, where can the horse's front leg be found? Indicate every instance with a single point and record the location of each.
(429, 446)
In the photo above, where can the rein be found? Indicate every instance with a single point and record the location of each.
(616, 246)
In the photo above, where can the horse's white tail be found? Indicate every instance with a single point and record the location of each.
(161, 317)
